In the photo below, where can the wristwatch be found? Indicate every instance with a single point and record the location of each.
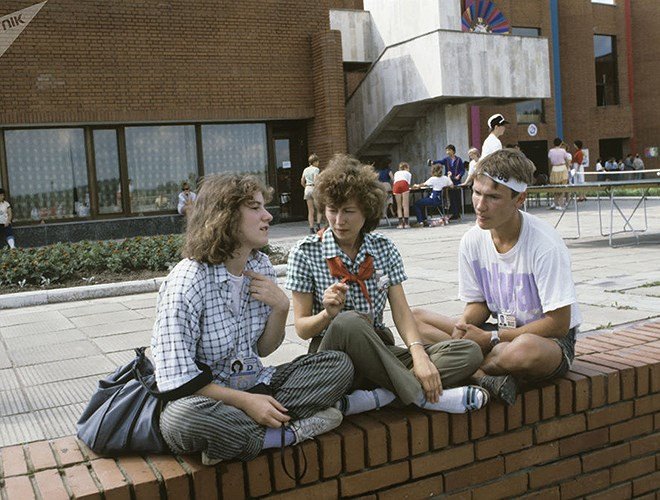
(494, 338)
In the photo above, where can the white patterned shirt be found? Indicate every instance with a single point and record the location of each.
(307, 271)
(195, 322)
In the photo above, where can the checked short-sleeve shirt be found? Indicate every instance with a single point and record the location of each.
(195, 322)
(307, 271)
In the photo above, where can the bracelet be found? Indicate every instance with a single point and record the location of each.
(416, 342)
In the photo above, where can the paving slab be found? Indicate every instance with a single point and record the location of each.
(64, 370)
(44, 339)
(60, 421)
(105, 318)
(61, 393)
(20, 428)
(8, 380)
(56, 352)
(53, 325)
(23, 317)
(118, 327)
(90, 309)
(123, 342)
(12, 402)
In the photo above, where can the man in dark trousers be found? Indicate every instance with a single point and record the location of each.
(455, 170)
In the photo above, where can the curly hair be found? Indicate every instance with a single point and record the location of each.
(507, 163)
(347, 179)
(212, 227)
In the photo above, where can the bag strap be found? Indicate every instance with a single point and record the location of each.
(190, 387)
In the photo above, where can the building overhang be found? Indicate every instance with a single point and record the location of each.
(443, 67)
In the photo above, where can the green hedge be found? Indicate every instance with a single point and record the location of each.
(63, 262)
(71, 262)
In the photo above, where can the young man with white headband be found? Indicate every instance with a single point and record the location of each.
(516, 268)
(497, 126)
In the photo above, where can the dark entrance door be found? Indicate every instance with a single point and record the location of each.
(288, 159)
(537, 152)
(610, 148)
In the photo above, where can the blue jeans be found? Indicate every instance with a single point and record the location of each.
(435, 200)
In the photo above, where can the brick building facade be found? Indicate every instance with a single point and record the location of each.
(89, 89)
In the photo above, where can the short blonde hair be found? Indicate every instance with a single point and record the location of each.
(404, 166)
(508, 164)
(313, 158)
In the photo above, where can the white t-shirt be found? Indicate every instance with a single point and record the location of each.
(491, 144)
(4, 216)
(532, 278)
(183, 199)
(235, 289)
(403, 175)
(439, 183)
(309, 174)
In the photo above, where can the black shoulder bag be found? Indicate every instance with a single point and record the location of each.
(123, 414)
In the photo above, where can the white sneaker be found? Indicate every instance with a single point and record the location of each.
(551, 207)
(319, 423)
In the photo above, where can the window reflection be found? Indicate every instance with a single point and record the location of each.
(106, 158)
(239, 147)
(47, 173)
(530, 111)
(607, 83)
(159, 160)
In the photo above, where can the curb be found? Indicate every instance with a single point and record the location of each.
(42, 297)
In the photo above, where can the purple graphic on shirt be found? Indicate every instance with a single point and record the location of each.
(509, 292)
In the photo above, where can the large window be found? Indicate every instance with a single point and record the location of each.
(159, 160)
(106, 158)
(607, 85)
(47, 173)
(235, 148)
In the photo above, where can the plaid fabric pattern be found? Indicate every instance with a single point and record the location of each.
(194, 321)
(307, 271)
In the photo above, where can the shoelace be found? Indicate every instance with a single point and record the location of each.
(295, 456)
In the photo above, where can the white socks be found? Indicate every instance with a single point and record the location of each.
(457, 400)
(11, 242)
(360, 401)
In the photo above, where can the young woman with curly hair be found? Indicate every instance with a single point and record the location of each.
(341, 280)
(221, 307)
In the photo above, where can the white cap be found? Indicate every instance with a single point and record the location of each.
(495, 120)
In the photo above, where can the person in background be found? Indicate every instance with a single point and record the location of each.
(497, 125)
(186, 200)
(473, 155)
(559, 160)
(437, 182)
(611, 166)
(578, 167)
(341, 281)
(5, 220)
(454, 170)
(401, 190)
(638, 164)
(307, 180)
(221, 307)
(385, 178)
(628, 167)
(600, 176)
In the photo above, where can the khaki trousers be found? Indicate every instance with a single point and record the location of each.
(390, 367)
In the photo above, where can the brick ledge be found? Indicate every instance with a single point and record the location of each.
(595, 430)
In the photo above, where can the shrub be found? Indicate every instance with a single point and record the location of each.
(71, 262)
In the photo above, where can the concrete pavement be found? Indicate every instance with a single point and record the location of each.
(51, 356)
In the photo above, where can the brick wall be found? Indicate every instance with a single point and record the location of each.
(126, 61)
(593, 434)
(579, 20)
(327, 131)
